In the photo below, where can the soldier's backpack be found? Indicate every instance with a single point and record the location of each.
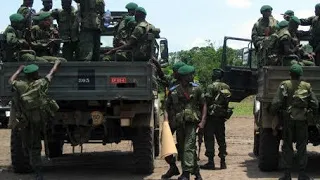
(220, 108)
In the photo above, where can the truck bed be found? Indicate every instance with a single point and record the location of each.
(270, 77)
(90, 80)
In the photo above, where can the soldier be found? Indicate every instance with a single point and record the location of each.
(43, 40)
(26, 8)
(91, 13)
(47, 6)
(171, 160)
(35, 110)
(188, 104)
(315, 32)
(68, 29)
(120, 32)
(217, 98)
(287, 15)
(138, 39)
(263, 29)
(300, 103)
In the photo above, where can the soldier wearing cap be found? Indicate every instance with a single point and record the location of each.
(263, 28)
(314, 24)
(138, 41)
(32, 110)
(68, 29)
(188, 104)
(287, 15)
(300, 104)
(91, 24)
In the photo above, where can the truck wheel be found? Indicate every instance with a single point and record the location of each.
(256, 144)
(268, 151)
(55, 148)
(143, 150)
(19, 156)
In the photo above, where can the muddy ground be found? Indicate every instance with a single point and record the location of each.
(113, 162)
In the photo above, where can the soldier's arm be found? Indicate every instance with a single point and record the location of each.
(313, 103)
(204, 108)
(307, 22)
(278, 100)
(53, 70)
(254, 35)
(168, 107)
(55, 14)
(287, 48)
(16, 74)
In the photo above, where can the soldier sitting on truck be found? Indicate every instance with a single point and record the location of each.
(139, 41)
(44, 40)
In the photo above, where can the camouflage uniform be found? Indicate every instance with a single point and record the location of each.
(187, 106)
(91, 12)
(215, 125)
(261, 30)
(298, 101)
(68, 31)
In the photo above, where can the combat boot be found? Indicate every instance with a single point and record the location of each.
(287, 176)
(303, 176)
(223, 164)
(173, 171)
(209, 166)
(198, 176)
(184, 176)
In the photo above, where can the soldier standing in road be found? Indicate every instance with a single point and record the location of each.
(171, 160)
(300, 104)
(35, 110)
(68, 29)
(217, 98)
(287, 15)
(188, 104)
(315, 32)
(91, 14)
(262, 29)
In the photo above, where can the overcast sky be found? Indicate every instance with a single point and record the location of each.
(188, 23)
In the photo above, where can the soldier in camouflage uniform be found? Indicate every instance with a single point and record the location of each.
(91, 15)
(188, 104)
(32, 115)
(121, 33)
(287, 15)
(300, 105)
(68, 29)
(138, 41)
(171, 160)
(315, 32)
(43, 41)
(47, 6)
(26, 8)
(262, 30)
(217, 98)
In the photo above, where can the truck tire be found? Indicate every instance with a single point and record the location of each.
(55, 148)
(20, 160)
(143, 150)
(256, 144)
(268, 151)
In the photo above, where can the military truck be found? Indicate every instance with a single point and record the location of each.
(100, 102)
(245, 79)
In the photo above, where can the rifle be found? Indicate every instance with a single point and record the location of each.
(200, 141)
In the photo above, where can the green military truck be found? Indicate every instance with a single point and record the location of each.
(246, 79)
(100, 102)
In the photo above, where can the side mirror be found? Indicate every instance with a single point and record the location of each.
(164, 52)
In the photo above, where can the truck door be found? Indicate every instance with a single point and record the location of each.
(240, 67)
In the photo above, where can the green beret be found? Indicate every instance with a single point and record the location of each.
(295, 19)
(178, 65)
(131, 6)
(16, 17)
(43, 16)
(186, 69)
(141, 9)
(265, 8)
(30, 68)
(217, 73)
(296, 69)
(289, 13)
(131, 20)
(283, 24)
(128, 18)
(317, 6)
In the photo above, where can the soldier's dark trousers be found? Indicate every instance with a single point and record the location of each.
(215, 128)
(295, 130)
(70, 51)
(89, 45)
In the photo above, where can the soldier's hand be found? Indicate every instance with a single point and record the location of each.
(21, 68)
(311, 57)
(201, 125)
(112, 51)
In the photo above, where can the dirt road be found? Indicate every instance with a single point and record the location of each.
(95, 164)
